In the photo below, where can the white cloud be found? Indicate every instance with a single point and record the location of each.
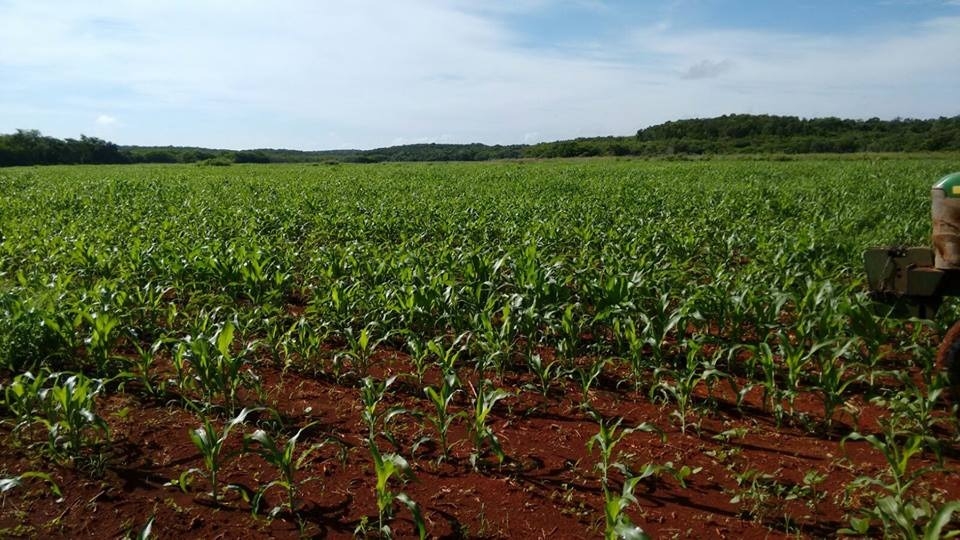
(367, 73)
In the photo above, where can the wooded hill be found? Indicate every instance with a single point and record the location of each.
(729, 134)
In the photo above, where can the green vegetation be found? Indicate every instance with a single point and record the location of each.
(729, 134)
(676, 278)
(210, 443)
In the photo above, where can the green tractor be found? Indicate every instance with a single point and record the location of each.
(914, 280)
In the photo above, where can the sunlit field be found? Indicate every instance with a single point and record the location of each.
(510, 350)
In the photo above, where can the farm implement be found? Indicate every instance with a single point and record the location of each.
(915, 280)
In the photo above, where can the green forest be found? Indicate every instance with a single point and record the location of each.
(729, 134)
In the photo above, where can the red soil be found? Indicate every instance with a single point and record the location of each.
(547, 487)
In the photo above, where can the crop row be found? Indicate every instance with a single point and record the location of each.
(675, 279)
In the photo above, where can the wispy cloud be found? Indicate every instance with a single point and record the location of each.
(707, 69)
(366, 73)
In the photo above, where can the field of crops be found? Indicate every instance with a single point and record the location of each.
(500, 350)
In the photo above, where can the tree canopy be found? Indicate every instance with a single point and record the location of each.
(729, 134)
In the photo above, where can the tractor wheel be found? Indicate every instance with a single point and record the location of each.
(948, 359)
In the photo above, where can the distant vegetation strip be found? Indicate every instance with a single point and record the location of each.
(729, 134)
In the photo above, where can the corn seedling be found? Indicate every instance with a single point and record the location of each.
(607, 439)
(142, 365)
(545, 372)
(796, 358)
(914, 407)
(419, 355)
(6, 484)
(484, 398)
(587, 375)
(832, 380)
(760, 495)
(495, 341)
(24, 398)
(147, 529)
(569, 334)
(361, 347)
(447, 356)
(210, 443)
(617, 523)
(442, 418)
(69, 414)
(679, 383)
(103, 334)
(217, 372)
(659, 323)
(893, 507)
(627, 332)
(388, 466)
(763, 356)
(284, 459)
(371, 394)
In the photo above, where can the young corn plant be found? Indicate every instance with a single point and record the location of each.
(915, 406)
(361, 347)
(832, 380)
(24, 398)
(893, 507)
(304, 341)
(447, 356)
(147, 529)
(617, 522)
(761, 495)
(371, 394)
(34, 336)
(796, 358)
(659, 323)
(607, 439)
(764, 363)
(141, 366)
(442, 418)
(628, 333)
(284, 459)
(275, 343)
(388, 466)
(69, 415)
(217, 372)
(485, 397)
(495, 341)
(6, 484)
(545, 372)
(103, 335)
(870, 334)
(678, 383)
(210, 442)
(419, 355)
(569, 335)
(587, 376)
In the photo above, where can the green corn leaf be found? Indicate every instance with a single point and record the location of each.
(415, 510)
(934, 529)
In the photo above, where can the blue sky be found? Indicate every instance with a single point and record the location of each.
(314, 74)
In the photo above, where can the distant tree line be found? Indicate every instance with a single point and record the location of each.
(764, 134)
(30, 147)
(730, 134)
(412, 152)
(438, 152)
